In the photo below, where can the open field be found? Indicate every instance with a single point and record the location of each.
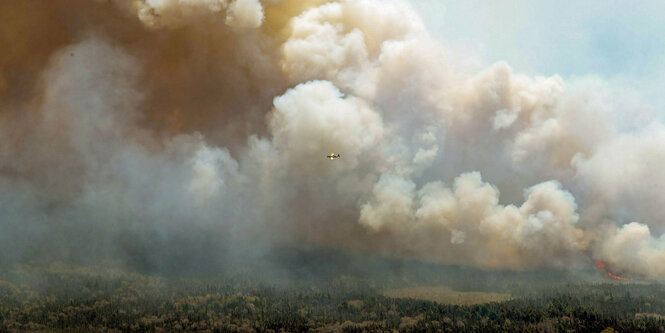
(445, 295)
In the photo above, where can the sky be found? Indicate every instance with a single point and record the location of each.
(569, 38)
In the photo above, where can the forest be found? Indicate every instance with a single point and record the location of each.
(322, 298)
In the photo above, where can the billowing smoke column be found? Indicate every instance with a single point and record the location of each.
(162, 131)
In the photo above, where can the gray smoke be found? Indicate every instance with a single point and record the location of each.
(153, 132)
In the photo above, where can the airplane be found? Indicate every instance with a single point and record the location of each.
(332, 156)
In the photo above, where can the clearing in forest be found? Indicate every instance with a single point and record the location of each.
(445, 295)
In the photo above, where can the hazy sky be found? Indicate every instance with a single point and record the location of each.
(569, 38)
(618, 44)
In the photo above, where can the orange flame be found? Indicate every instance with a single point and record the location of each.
(601, 266)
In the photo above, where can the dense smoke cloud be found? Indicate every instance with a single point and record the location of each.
(176, 13)
(470, 226)
(160, 132)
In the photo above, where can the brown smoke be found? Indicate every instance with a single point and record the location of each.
(136, 129)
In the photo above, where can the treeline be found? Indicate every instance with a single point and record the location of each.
(94, 299)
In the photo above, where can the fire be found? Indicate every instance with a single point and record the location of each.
(601, 266)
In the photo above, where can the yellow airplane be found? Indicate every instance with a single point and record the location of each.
(332, 156)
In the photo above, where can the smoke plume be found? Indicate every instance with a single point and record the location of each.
(162, 132)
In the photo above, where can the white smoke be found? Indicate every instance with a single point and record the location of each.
(466, 224)
(243, 14)
(175, 124)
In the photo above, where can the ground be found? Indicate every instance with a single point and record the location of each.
(445, 295)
